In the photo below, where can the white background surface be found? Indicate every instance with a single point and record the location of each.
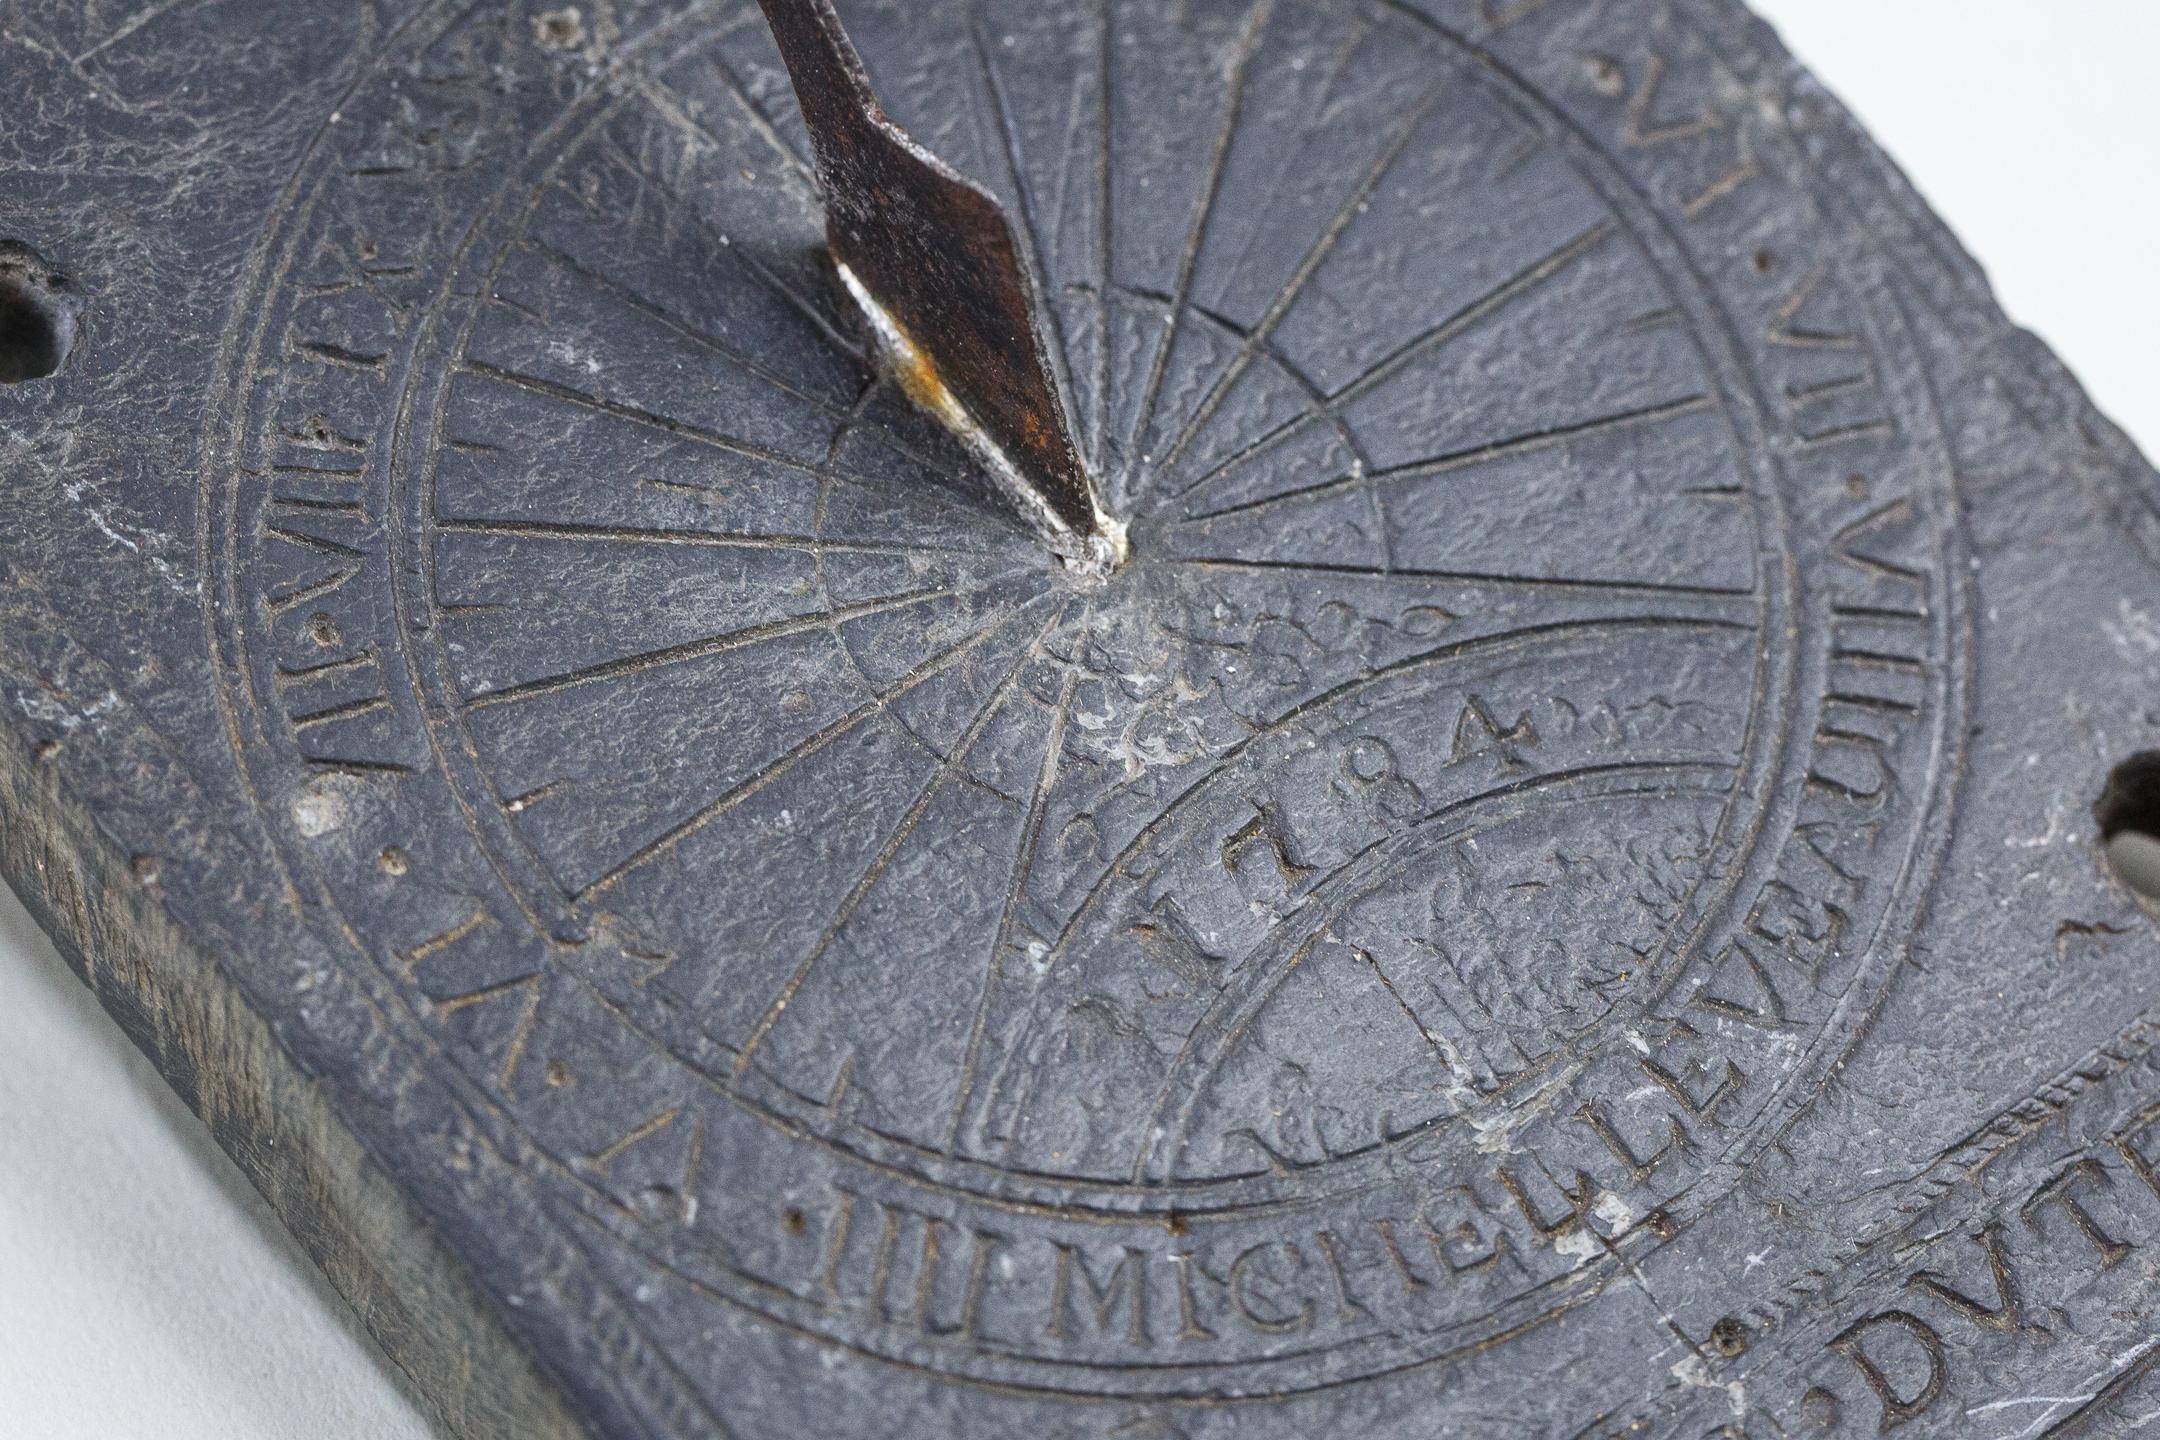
(146, 1292)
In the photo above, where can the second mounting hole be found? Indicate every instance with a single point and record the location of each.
(37, 316)
(2129, 815)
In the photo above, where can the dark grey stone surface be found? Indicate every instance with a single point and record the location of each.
(1557, 894)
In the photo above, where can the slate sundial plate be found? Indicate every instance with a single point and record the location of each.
(1556, 893)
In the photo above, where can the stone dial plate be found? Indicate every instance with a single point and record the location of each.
(1438, 739)
(1369, 957)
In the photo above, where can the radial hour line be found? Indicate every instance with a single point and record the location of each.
(1463, 577)
(1027, 235)
(938, 272)
(1016, 886)
(617, 410)
(944, 771)
(1391, 364)
(712, 645)
(684, 430)
(1346, 50)
(760, 121)
(786, 293)
(922, 674)
(1464, 459)
(1248, 44)
(665, 99)
(1511, 289)
(718, 539)
(832, 474)
(625, 295)
(1295, 286)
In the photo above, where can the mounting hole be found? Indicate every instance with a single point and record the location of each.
(37, 316)
(2129, 815)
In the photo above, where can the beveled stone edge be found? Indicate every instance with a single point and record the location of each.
(448, 1348)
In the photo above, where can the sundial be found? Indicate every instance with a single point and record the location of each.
(1239, 717)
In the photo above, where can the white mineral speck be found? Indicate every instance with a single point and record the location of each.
(1578, 1245)
(317, 812)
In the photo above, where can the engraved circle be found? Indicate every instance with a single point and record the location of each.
(1462, 612)
(1313, 535)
